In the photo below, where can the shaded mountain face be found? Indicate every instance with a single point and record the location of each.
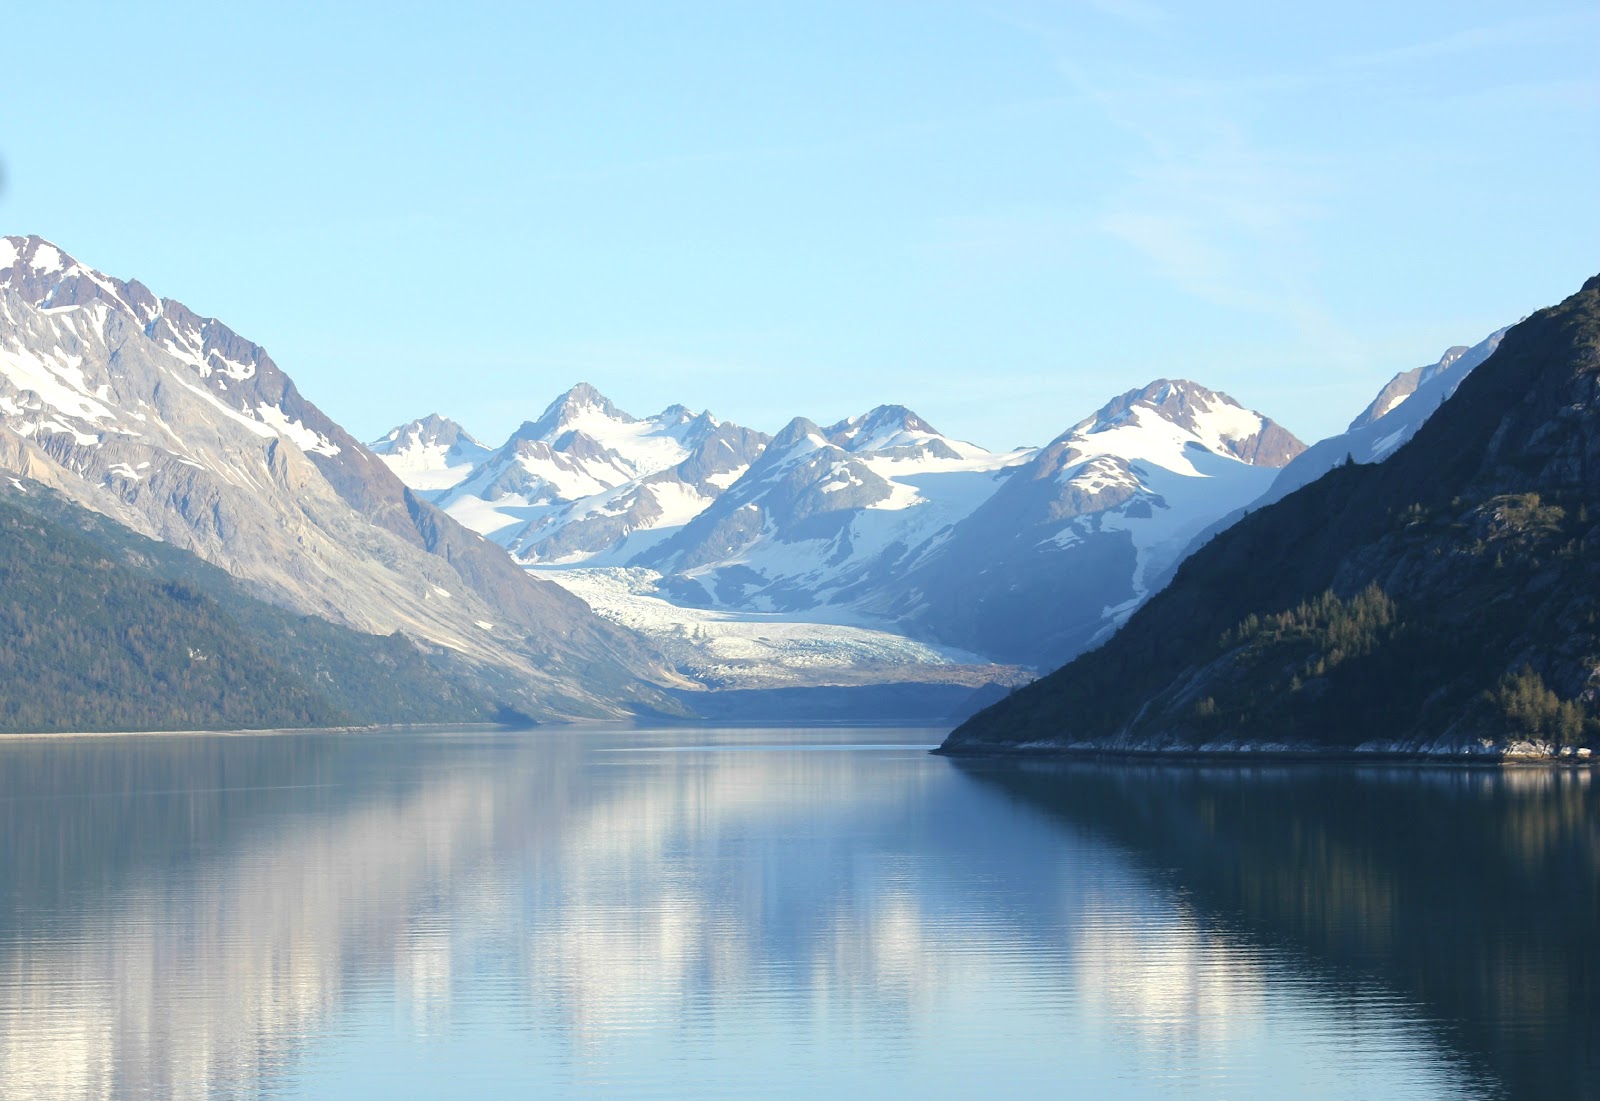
(174, 425)
(1444, 600)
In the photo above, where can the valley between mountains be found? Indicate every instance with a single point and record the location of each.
(594, 564)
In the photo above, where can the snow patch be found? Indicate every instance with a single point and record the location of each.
(304, 438)
(46, 259)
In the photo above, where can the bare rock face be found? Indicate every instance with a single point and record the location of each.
(178, 427)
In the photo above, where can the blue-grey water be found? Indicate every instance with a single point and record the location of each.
(689, 913)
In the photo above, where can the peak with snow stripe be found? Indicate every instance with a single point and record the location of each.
(1457, 361)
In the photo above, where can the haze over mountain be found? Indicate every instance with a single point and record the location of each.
(177, 427)
(1444, 600)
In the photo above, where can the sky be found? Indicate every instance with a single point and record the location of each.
(1000, 214)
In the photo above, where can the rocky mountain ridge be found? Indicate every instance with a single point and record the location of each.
(170, 423)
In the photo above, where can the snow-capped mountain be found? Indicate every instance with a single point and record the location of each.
(663, 499)
(1392, 418)
(171, 423)
(587, 482)
(430, 455)
(889, 428)
(1082, 532)
(876, 523)
(827, 516)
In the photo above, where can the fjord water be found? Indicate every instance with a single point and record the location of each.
(830, 912)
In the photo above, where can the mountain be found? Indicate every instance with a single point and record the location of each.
(1392, 418)
(877, 540)
(586, 481)
(825, 516)
(1445, 600)
(1082, 532)
(107, 630)
(431, 454)
(661, 475)
(175, 426)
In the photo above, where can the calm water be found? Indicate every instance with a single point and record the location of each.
(781, 913)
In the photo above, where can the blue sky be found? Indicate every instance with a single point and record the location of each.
(999, 214)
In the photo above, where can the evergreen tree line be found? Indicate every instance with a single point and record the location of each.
(103, 630)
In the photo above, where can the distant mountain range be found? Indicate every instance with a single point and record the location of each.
(879, 522)
(699, 566)
(1444, 600)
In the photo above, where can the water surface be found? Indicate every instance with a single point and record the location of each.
(687, 913)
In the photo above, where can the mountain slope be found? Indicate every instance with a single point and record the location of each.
(107, 630)
(1445, 600)
(175, 426)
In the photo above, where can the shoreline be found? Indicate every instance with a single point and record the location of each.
(1276, 755)
(246, 731)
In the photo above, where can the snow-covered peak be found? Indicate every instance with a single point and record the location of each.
(88, 312)
(431, 453)
(31, 254)
(578, 409)
(1207, 417)
(430, 431)
(800, 435)
(883, 426)
(889, 427)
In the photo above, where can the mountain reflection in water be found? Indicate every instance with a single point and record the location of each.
(1474, 891)
(487, 914)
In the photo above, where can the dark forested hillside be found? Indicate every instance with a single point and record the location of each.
(1445, 599)
(101, 629)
